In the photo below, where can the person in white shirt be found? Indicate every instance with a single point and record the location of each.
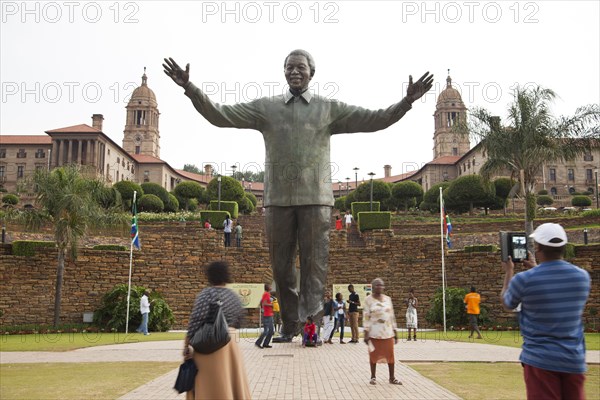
(145, 310)
(348, 219)
(227, 226)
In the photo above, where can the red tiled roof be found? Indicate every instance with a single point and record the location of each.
(146, 159)
(193, 176)
(25, 139)
(81, 128)
(449, 160)
(397, 178)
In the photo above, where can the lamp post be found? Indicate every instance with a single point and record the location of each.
(339, 188)
(233, 167)
(244, 183)
(371, 198)
(347, 186)
(219, 180)
(597, 194)
(355, 177)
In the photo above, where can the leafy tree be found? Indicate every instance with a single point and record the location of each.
(151, 203)
(544, 200)
(192, 168)
(67, 200)
(231, 189)
(157, 190)
(581, 201)
(542, 192)
(112, 313)
(252, 198)
(431, 198)
(126, 188)
(533, 138)
(469, 190)
(455, 308)
(351, 198)
(109, 197)
(406, 193)
(10, 199)
(186, 191)
(340, 204)
(503, 187)
(245, 205)
(381, 191)
(172, 205)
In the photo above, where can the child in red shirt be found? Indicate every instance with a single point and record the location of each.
(310, 333)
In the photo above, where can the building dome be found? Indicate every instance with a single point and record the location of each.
(450, 94)
(143, 95)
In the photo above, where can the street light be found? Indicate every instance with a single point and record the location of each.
(233, 167)
(371, 201)
(219, 180)
(339, 188)
(347, 186)
(355, 177)
(244, 183)
(597, 194)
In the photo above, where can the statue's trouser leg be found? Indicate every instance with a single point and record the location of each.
(308, 227)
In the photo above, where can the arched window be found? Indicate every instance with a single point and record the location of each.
(553, 191)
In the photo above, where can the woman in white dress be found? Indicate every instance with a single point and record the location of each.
(411, 314)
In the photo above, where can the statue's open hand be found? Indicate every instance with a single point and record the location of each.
(175, 72)
(417, 89)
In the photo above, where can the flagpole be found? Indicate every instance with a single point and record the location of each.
(130, 268)
(442, 216)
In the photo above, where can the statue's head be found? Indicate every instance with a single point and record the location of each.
(299, 68)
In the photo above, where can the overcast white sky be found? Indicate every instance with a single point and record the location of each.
(61, 62)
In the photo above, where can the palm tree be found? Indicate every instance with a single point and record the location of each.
(70, 202)
(532, 138)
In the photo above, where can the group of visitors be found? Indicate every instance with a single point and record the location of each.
(347, 220)
(228, 229)
(553, 355)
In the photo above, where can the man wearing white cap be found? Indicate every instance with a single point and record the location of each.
(552, 297)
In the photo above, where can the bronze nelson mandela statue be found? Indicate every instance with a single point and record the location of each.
(298, 196)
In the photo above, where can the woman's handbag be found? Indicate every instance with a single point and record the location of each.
(213, 334)
(186, 377)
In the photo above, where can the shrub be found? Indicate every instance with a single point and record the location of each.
(10, 199)
(581, 201)
(455, 308)
(109, 247)
(481, 248)
(542, 192)
(431, 198)
(340, 204)
(231, 189)
(29, 247)
(374, 220)
(231, 207)
(113, 310)
(245, 205)
(150, 203)
(544, 200)
(126, 188)
(172, 204)
(252, 198)
(216, 218)
(359, 206)
(591, 213)
(157, 190)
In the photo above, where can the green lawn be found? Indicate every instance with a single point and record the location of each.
(72, 341)
(77, 381)
(498, 381)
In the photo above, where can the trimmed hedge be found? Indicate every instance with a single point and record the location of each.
(229, 206)
(359, 206)
(29, 247)
(216, 218)
(481, 248)
(374, 220)
(110, 247)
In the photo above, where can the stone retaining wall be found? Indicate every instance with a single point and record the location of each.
(172, 254)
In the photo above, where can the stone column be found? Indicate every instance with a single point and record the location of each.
(69, 148)
(79, 151)
(54, 155)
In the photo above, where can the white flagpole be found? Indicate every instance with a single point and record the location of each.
(442, 248)
(129, 282)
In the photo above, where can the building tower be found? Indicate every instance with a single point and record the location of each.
(450, 111)
(141, 135)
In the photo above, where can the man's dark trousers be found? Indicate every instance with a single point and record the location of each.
(305, 228)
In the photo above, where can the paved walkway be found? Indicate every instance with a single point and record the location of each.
(288, 371)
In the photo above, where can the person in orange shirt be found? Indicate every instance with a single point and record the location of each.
(472, 301)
